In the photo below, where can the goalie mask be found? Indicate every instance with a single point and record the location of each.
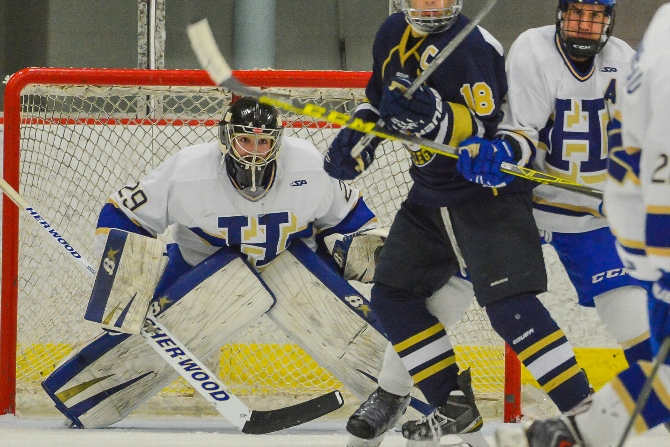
(584, 26)
(427, 17)
(250, 135)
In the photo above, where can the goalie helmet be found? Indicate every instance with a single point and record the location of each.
(431, 17)
(582, 33)
(250, 135)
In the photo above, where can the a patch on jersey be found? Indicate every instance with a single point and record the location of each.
(420, 157)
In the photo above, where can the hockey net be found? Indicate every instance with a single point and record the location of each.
(74, 136)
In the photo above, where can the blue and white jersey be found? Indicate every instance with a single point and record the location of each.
(637, 198)
(472, 84)
(563, 112)
(192, 191)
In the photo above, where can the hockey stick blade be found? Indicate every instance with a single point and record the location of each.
(210, 58)
(263, 422)
(230, 407)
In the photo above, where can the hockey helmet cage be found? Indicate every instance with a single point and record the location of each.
(584, 48)
(432, 19)
(250, 135)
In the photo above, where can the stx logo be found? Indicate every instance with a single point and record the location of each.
(298, 182)
(608, 274)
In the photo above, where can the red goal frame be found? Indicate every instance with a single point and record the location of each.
(126, 77)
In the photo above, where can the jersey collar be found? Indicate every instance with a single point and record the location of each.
(580, 76)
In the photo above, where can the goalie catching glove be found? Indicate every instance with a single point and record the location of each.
(357, 253)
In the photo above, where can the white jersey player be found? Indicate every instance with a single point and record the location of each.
(242, 191)
(247, 214)
(563, 80)
(638, 207)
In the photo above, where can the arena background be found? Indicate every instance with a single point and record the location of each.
(97, 33)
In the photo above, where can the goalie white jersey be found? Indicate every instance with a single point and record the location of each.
(564, 113)
(638, 191)
(192, 191)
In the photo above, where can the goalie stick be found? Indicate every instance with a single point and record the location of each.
(437, 61)
(228, 405)
(211, 59)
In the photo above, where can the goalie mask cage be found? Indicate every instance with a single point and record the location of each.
(73, 136)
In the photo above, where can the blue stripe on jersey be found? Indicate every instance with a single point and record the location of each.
(112, 217)
(359, 215)
(657, 232)
(625, 165)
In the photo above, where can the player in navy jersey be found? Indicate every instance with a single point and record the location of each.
(458, 215)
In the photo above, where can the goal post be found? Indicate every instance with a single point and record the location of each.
(73, 136)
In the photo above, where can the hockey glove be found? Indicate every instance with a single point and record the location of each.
(356, 254)
(659, 309)
(339, 163)
(419, 115)
(479, 161)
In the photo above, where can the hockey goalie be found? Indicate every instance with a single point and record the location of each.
(252, 218)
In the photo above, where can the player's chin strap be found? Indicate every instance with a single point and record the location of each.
(211, 59)
(233, 409)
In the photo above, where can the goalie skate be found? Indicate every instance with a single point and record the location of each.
(556, 432)
(458, 416)
(379, 413)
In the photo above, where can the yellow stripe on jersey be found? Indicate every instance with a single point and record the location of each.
(662, 393)
(663, 252)
(401, 49)
(539, 345)
(439, 366)
(658, 209)
(418, 337)
(462, 128)
(567, 206)
(562, 378)
(628, 402)
(634, 341)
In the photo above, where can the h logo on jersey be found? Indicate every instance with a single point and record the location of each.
(262, 238)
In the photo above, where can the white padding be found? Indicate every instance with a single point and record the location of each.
(337, 338)
(204, 320)
(130, 268)
(450, 302)
(625, 314)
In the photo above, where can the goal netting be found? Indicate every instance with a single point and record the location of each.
(73, 136)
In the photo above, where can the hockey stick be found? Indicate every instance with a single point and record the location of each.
(200, 377)
(646, 389)
(437, 61)
(211, 59)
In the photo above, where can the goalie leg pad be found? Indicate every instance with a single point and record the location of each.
(331, 321)
(129, 270)
(115, 373)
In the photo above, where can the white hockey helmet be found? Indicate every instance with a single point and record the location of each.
(580, 47)
(428, 17)
(250, 135)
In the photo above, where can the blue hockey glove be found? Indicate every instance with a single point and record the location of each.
(659, 310)
(419, 115)
(479, 161)
(340, 164)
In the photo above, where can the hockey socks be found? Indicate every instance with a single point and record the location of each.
(525, 324)
(606, 418)
(420, 340)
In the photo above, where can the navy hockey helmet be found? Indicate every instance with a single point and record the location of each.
(584, 34)
(427, 17)
(250, 135)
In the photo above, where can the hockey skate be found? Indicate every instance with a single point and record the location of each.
(379, 413)
(556, 432)
(458, 416)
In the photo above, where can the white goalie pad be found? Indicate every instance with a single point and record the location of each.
(330, 320)
(115, 373)
(130, 268)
